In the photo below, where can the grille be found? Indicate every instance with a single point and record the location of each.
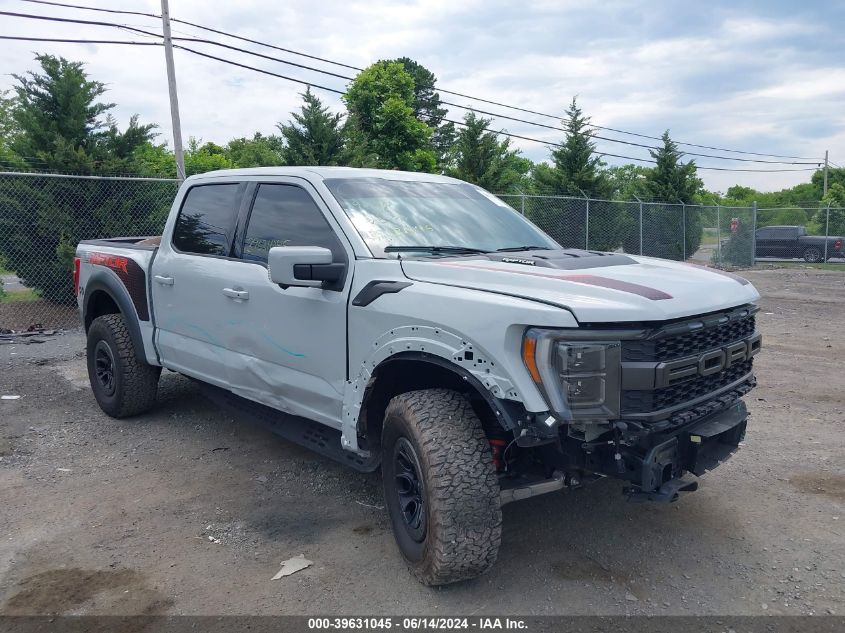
(690, 343)
(648, 401)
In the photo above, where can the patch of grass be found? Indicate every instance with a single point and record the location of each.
(840, 266)
(709, 237)
(19, 296)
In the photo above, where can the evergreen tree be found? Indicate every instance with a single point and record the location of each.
(60, 124)
(576, 170)
(63, 125)
(670, 180)
(315, 136)
(670, 230)
(479, 157)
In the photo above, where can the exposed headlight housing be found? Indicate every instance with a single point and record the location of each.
(579, 379)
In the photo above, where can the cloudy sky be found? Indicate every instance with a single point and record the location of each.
(765, 76)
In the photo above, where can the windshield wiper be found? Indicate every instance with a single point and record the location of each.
(513, 249)
(454, 250)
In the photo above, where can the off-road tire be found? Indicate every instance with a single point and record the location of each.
(460, 489)
(813, 255)
(134, 383)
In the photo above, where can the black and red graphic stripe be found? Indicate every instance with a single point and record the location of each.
(589, 280)
(131, 274)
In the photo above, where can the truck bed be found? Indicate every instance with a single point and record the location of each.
(149, 242)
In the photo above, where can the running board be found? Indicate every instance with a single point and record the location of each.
(518, 491)
(307, 433)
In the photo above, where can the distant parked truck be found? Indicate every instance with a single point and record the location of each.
(788, 242)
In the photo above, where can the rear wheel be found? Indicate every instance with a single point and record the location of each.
(813, 254)
(440, 486)
(122, 384)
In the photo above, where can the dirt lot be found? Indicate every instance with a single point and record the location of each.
(187, 511)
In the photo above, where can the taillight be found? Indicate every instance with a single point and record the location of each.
(77, 263)
(838, 245)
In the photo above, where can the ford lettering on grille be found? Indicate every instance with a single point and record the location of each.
(708, 363)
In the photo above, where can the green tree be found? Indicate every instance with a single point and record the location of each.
(575, 170)
(429, 109)
(670, 180)
(478, 156)
(206, 157)
(670, 230)
(834, 219)
(383, 131)
(626, 182)
(315, 136)
(258, 151)
(8, 133)
(62, 125)
(834, 175)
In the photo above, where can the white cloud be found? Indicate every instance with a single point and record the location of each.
(713, 74)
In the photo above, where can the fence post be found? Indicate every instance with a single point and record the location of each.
(587, 225)
(684, 228)
(826, 229)
(641, 223)
(753, 233)
(719, 233)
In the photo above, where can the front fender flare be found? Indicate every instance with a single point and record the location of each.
(432, 344)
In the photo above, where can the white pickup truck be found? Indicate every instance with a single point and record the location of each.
(418, 323)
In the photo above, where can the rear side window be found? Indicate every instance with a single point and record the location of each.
(207, 219)
(286, 215)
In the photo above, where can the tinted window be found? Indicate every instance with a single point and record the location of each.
(207, 219)
(764, 234)
(285, 215)
(784, 233)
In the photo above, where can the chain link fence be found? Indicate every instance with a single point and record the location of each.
(44, 216)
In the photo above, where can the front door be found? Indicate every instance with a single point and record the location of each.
(288, 345)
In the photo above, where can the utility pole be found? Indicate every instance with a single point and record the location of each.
(825, 171)
(171, 86)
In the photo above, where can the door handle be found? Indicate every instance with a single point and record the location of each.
(243, 295)
(164, 281)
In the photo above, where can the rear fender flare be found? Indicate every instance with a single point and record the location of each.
(104, 280)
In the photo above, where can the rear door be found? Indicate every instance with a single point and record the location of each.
(287, 345)
(189, 276)
(764, 240)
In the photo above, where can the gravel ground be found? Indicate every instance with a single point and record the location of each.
(187, 511)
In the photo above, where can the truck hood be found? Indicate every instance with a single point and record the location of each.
(595, 287)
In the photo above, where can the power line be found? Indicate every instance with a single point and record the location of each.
(444, 91)
(78, 6)
(76, 41)
(341, 92)
(345, 77)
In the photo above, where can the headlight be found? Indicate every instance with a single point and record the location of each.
(579, 379)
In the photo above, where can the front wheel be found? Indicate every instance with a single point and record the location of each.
(122, 384)
(813, 255)
(440, 486)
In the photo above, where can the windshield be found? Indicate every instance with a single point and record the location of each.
(409, 213)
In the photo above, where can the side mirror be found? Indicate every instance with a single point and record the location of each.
(309, 266)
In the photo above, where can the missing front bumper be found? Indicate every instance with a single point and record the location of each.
(697, 449)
